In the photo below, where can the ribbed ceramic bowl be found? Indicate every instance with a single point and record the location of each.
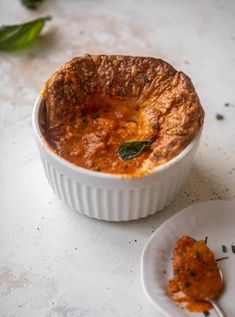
(112, 197)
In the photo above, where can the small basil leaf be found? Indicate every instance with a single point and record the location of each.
(224, 248)
(31, 4)
(233, 248)
(130, 149)
(20, 35)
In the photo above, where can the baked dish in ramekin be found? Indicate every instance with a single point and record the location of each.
(117, 134)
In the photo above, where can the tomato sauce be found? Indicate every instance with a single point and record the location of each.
(92, 138)
(196, 275)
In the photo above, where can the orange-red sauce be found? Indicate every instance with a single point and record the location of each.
(196, 274)
(91, 139)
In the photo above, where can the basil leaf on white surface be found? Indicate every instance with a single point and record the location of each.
(31, 4)
(17, 36)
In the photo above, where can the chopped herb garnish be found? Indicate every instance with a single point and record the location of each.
(192, 273)
(224, 248)
(145, 78)
(206, 313)
(219, 116)
(176, 271)
(95, 114)
(223, 258)
(154, 125)
(206, 238)
(198, 254)
(233, 248)
(187, 284)
(130, 149)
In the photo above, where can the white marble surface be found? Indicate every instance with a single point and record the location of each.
(54, 262)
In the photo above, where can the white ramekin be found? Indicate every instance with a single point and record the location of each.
(111, 197)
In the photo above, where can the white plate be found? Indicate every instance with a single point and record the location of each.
(215, 219)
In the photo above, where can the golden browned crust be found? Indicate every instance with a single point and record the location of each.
(163, 94)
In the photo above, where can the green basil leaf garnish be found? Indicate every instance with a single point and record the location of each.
(130, 149)
(20, 35)
(31, 4)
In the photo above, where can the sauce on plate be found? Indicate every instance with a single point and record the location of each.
(196, 274)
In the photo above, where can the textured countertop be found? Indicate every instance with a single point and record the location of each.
(53, 261)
